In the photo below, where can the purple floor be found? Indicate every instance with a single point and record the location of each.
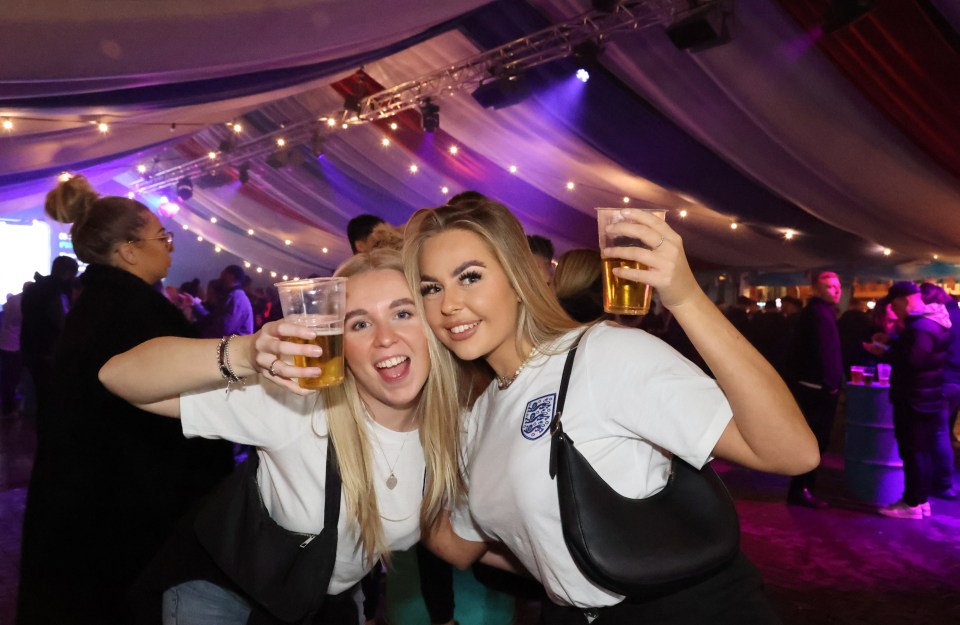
(843, 565)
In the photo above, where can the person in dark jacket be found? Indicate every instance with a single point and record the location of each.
(816, 374)
(43, 310)
(109, 480)
(917, 359)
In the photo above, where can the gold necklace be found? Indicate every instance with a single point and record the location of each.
(504, 383)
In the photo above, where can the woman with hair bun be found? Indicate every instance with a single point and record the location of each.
(109, 480)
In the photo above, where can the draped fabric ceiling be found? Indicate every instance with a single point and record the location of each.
(851, 139)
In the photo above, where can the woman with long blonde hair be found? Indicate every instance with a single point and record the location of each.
(633, 402)
(380, 421)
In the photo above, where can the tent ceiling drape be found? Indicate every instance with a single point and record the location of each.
(773, 130)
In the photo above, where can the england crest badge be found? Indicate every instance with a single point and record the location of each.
(537, 416)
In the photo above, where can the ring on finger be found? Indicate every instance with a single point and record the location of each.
(272, 365)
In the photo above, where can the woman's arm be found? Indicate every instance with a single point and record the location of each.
(445, 543)
(768, 432)
(152, 375)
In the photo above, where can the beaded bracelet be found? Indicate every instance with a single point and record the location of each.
(223, 362)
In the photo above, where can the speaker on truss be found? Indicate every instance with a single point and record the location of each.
(704, 25)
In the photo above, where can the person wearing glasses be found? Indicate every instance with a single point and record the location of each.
(109, 480)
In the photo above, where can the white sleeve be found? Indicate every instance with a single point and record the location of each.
(460, 518)
(646, 389)
(265, 415)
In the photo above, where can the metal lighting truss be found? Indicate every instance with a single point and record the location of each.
(509, 60)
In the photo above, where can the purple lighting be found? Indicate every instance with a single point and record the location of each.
(583, 75)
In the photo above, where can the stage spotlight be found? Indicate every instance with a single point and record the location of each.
(316, 144)
(704, 26)
(185, 189)
(583, 75)
(351, 104)
(278, 159)
(243, 173)
(429, 116)
(843, 13)
(503, 91)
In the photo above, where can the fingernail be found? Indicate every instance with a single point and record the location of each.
(316, 351)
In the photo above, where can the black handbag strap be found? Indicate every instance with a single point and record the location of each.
(556, 428)
(331, 501)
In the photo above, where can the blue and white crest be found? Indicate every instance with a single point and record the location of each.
(537, 416)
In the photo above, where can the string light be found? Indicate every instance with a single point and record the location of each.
(199, 239)
(444, 190)
(7, 124)
(217, 249)
(683, 214)
(247, 264)
(273, 274)
(414, 169)
(285, 277)
(185, 226)
(141, 169)
(259, 269)
(103, 127)
(513, 169)
(626, 200)
(887, 251)
(250, 232)
(454, 149)
(324, 250)
(789, 234)
(571, 186)
(344, 125)
(385, 142)
(65, 176)
(212, 155)
(393, 126)
(213, 220)
(237, 128)
(287, 242)
(131, 194)
(734, 226)
(330, 122)
(936, 257)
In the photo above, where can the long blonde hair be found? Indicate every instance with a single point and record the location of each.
(347, 423)
(541, 320)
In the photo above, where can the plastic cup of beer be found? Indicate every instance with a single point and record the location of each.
(622, 296)
(856, 375)
(319, 304)
(883, 374)
(868, 375)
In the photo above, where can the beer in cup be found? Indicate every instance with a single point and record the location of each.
(622, 296)
(319, 304)
(856, 375)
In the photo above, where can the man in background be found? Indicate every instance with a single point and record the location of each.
(10, 361)
(359, 230)
(542, 249)
(816, 374)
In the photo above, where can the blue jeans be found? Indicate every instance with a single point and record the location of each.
(202, 603)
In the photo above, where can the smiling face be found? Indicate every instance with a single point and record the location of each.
(384, 342)
(468, 300)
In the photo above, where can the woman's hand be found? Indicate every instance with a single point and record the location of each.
(667, 268)
(272, 355)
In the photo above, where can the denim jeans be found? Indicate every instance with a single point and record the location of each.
(203, 603)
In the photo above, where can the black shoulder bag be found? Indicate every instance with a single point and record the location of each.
(286, 573)
(642, 548)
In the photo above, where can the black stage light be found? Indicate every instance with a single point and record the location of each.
(278, 159)
(243, 173)
(185, 189)
(704, 26)
(429, 116)
(502, 92)
(843, 13)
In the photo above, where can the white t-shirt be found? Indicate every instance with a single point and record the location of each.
(630, 397)
(292, 471)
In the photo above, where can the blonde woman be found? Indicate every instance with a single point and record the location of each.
(578, 283)
(379, 420)
(632, 403)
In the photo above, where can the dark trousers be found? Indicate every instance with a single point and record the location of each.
(436, 585)
(943, 460)
(734, 596)
(819, 406)
(10, 366)
(41, 372)
(916, 433)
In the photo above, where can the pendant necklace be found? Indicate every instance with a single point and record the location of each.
(391, 480)
(504, 383)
